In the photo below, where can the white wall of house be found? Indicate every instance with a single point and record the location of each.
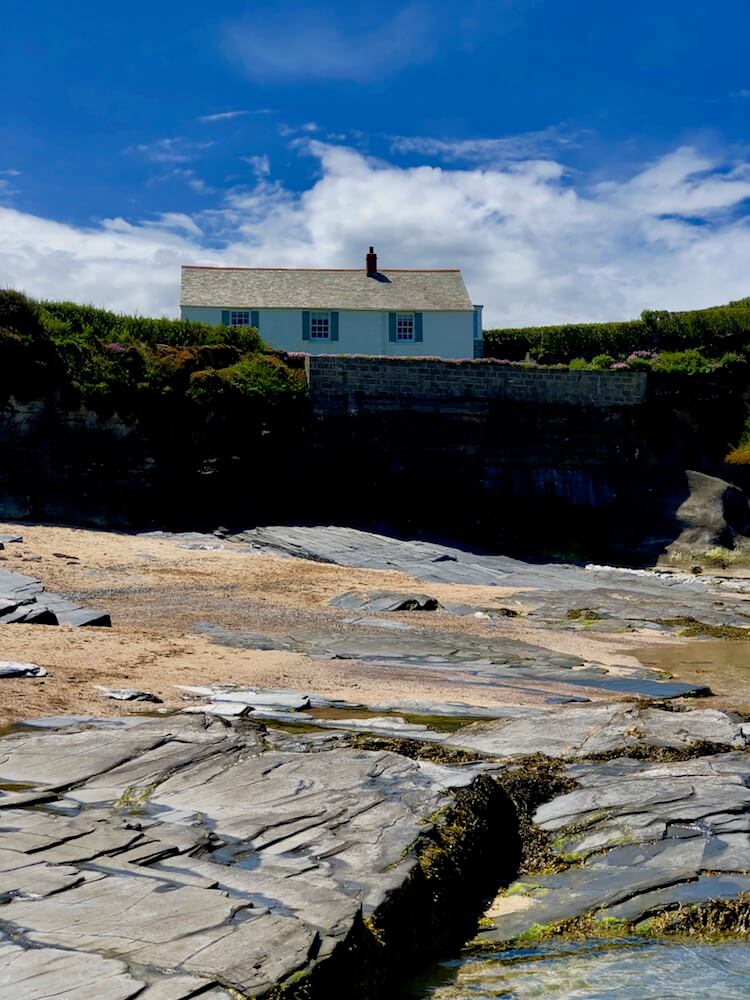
(444, 334)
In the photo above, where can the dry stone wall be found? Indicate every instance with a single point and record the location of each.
(424, 383)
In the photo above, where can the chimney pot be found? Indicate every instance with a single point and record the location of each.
(371, 262)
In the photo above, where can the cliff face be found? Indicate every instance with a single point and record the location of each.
(85, 467)
(581, 463)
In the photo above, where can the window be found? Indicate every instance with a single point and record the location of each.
(239, 317)
(405, 326)
(320, 326)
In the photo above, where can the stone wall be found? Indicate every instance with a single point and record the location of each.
(386, 383)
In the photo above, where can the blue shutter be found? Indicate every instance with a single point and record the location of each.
(305, 325)
(392, 327)
(225, 317)
(418, 337)
(334, 326)
(254, 318)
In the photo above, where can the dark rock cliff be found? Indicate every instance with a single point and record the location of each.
(591, 465)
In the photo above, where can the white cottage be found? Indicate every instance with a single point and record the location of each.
(398, 311)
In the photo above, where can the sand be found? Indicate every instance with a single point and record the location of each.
(156, 592)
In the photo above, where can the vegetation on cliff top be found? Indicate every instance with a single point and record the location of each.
(688, 342)
(132, 364)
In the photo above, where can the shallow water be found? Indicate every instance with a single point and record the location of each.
(596, 970)
(721, 664)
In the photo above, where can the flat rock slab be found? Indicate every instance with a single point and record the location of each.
(385, 623)
(597, 730)
(628, 598)
(454, 709)
(384, 601)
(281, 698)
(500, 662)
(24, 600)
(193, 847)
(47, 973)
(9, 669)
(128, 694)
(43, 973)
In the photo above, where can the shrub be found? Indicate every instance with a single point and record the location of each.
(637, 364)
(688, 362)
(732, 363)
(739, 455)
(602, 361)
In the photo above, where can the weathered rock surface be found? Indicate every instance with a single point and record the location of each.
(24, 599)
(31, 974)
(128, 694)
(186, 855)
(499, 663)
(627, 598)
(384, 601)
(715, 513)
(273, 698)
(10, 669)
(642, 836)
(602, 730)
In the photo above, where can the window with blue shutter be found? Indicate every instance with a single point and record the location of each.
(320, 326)
(305, 325)
(255, 318)
(225, 317)
(392, 327)
(334, 328)
(239, 317)
(406, 325)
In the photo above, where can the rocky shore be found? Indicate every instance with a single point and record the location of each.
(505, 772)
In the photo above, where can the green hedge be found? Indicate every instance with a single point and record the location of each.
(133, 364)
(715, 330)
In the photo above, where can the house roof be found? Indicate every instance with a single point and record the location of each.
(317, 288)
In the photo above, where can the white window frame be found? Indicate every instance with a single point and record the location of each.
(239, 317)
(405, 324)
(320, 326)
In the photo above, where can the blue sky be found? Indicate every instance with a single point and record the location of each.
(579, 161)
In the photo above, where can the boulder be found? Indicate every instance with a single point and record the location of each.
(715, 514)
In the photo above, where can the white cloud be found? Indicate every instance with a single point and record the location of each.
(260, 165)
(223, 116)
(489, 151)
(307, 128)
(170, 150)
(535, 245)
(187, 176)
(177, 221)
(7, 191)
(303, 43)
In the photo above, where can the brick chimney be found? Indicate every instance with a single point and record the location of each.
(371, 263)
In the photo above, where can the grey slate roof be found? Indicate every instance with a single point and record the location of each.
(310, 288)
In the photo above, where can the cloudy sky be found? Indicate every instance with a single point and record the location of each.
(577, 161)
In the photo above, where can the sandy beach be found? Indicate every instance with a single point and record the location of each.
(157, 592)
